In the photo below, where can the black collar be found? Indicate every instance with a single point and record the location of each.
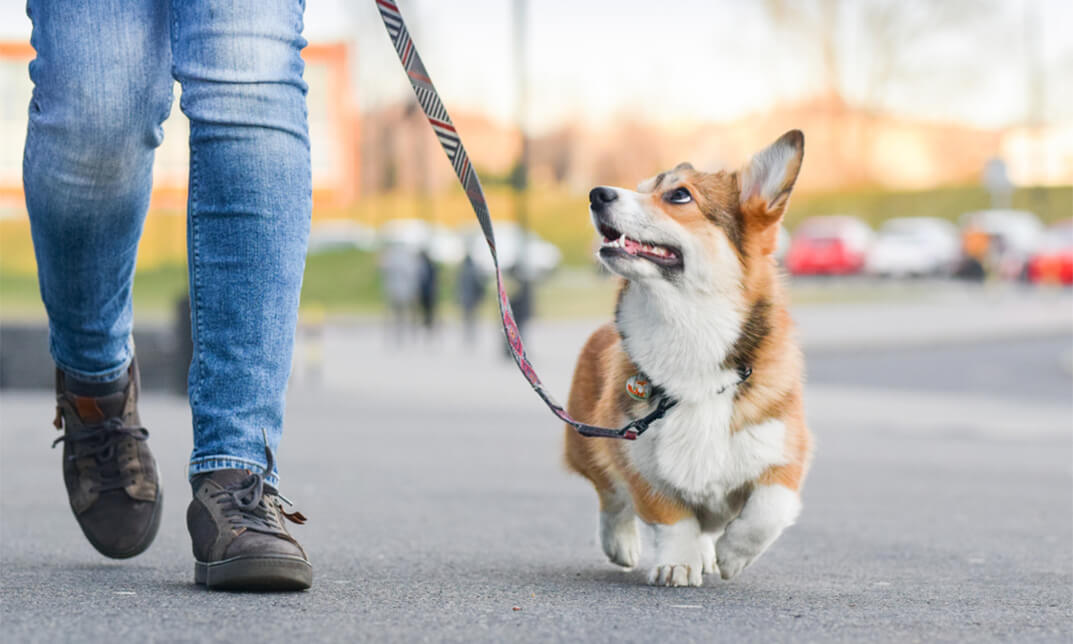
(744, 371)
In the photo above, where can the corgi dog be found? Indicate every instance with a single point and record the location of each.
(701, 318)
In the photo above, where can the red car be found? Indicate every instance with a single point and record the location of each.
(1052, 262)
(835, 245)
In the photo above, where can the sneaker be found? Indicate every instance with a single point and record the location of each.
(110, 474)
(239, 537)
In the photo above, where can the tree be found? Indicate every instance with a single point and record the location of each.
(866, 48)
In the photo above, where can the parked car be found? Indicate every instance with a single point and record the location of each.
(831, 245)
(914, 247)
(782, 244)
(1052, 262)
(340, 235)
(541, 256)
(444, 246)
(1012, 236)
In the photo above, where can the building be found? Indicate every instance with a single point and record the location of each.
(333, 129)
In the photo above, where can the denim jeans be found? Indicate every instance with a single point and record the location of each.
(103, 79)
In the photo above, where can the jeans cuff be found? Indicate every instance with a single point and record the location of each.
(222, 462)
(100, 376)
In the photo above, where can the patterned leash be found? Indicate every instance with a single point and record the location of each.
(452, 145)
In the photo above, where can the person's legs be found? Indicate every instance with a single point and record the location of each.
(240, 68)
(101, 91)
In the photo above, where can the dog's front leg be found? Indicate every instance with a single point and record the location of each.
(681, 550)
(681, 547)
(769, 510)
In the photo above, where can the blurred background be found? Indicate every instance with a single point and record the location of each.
(939, 153)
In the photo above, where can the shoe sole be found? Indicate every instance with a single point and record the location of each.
(141, 546)
(262, 572)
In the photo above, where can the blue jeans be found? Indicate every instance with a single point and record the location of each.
(102, 87)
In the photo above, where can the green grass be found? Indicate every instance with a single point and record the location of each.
(347, 283)
(340, 281)
(19, 296)
(156, 293)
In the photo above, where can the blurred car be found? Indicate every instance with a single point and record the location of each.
(914, 247)
(1052, 262)
(444, 246)
(831, 245)
(341, 235)
(541, 256)
(1012, 236)
(782, 244)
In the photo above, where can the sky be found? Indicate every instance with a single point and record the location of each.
(689, 61)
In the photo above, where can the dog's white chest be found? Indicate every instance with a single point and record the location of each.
(692, 453)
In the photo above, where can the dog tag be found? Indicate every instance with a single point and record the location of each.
(637, 387)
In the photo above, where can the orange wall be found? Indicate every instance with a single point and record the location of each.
(334, 189)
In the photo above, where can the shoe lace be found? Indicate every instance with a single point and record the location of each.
(100, 441)
(248, 505)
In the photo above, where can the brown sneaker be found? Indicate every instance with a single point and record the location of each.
(110, 473)
(239, 539)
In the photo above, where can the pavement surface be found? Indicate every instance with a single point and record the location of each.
(939, 507)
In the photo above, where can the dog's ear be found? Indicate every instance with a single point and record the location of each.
(764, 184)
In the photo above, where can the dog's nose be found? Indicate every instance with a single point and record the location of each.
(600, 196)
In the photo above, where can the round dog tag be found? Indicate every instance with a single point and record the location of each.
(637, 387)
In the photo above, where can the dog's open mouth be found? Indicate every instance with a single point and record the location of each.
(616, 243)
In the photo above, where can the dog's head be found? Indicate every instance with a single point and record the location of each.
(697, 230)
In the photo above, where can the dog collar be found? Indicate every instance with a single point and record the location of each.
(640, 388)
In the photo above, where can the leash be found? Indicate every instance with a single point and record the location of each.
(445, 131)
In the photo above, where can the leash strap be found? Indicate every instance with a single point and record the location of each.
(445, 131)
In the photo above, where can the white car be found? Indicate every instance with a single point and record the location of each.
(914, 247)
(341, 234)
(541, 257)
(782, 244)
(444, 245)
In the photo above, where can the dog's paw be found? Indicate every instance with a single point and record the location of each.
(733, 555)
(708, 545)
(676, 575)
(680, 553)
(732, 563)
(769, 510)
(620, 539)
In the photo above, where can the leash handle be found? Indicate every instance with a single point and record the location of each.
(430, 103)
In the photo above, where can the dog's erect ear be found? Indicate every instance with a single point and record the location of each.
(765, 183)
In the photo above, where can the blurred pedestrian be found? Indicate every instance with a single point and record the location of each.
(976, 249)
(103, 76)
(429, 290)
(470, 293)
(521, 303)
(400, 275)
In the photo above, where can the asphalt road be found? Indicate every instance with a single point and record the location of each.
(439, 512)
(1028, 370)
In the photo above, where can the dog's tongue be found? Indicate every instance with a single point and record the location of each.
(630, 246)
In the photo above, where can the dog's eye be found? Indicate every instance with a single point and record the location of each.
(679, 195)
